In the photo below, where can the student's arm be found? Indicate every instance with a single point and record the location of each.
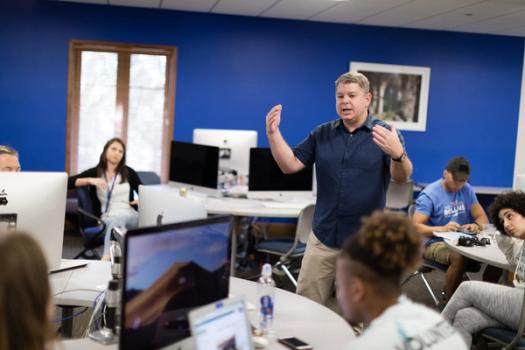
(282, 153)
(480, 218)
(420, 220)
(86, 178)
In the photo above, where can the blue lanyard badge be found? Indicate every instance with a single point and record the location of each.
(110, 191)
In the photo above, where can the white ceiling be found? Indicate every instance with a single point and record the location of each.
(504, 17)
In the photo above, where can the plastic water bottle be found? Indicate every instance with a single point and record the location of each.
(116, 257)
(266, 297)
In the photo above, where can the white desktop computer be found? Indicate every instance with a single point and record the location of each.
(35, 203)
(234, 146)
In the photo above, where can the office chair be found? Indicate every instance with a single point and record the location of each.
(503, 336)
(149, 177)
(290, 251)
(399, 196)
(91, 227)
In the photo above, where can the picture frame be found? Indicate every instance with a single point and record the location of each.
(399, 93)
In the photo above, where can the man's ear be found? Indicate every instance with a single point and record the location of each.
(359, 290)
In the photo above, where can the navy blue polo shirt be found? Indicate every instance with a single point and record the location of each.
(353, 175)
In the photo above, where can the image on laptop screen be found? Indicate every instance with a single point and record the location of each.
(221, 326)
(168, 271)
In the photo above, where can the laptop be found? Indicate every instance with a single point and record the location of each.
(168, 271)
(221, 325)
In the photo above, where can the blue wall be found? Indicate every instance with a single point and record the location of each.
(231, 70)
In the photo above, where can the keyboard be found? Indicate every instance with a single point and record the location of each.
(284, 205)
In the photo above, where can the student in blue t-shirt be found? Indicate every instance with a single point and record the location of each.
(449, 204)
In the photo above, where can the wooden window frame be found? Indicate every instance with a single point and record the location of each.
(124, 50)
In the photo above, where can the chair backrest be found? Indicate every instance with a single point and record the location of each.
(149, 177)
(84, 202)
(399, 195)
(304, 223)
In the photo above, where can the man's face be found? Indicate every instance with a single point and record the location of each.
(452, 185)
(513, 222)
(351, 103)
(345, 291)
(9, 163)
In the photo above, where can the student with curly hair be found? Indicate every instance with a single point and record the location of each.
(25, 296)
(368, 277)
(478, 305)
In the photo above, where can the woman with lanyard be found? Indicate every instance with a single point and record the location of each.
(368, 276)
(113, 187)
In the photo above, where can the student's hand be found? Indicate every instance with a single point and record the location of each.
(135, 202)
(273, 119)
(100, 183)
(451, 226)
(388, 140)
(471, 228)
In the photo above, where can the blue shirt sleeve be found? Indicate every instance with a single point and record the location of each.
(305, 150)
(424, 204)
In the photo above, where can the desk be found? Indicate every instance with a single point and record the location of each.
(294, 316)
(79, 287)
(490, 254)
(248, 207)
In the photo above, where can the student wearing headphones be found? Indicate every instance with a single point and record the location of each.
(368, 277)
(25, 296)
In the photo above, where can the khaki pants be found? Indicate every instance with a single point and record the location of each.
(317, 275)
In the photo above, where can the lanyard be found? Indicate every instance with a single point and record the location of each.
(110, 191)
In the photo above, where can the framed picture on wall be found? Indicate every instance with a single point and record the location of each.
(399, 93)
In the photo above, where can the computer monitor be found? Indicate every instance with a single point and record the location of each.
(164, 205)
(234, 146)
(195, 167)
(168, 271)
(35, 203)
(267, 181)
(221, 325)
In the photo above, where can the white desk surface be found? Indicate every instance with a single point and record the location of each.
(294, 315)
(251, 207)
(489, 254)
(247, 207)
(80, 287)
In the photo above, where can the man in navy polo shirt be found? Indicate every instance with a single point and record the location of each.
(352, 157)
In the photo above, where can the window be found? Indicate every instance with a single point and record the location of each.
(120, 90)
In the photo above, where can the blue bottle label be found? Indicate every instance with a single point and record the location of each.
(266, 306)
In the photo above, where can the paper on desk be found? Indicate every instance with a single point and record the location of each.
(451, 235)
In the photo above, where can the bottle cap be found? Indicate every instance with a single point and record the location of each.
(266, 270)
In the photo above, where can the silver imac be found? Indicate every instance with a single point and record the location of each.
(234, 146)
(267, 181)
(160, 205)
(35, 203)
(195, 168)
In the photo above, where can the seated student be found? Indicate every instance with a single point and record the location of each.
(25, 297)
(478, 305)
(368, 277)
(112, 188)
(9, 159)
(448, 204)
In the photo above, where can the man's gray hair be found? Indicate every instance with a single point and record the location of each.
(356, 78)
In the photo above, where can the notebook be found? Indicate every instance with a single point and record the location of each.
(221, 325)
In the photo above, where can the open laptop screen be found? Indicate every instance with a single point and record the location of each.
(222, 325)
(168, 271)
